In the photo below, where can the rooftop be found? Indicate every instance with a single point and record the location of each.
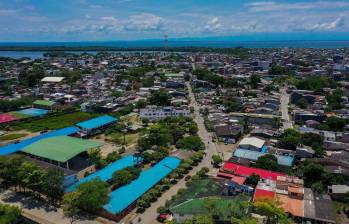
(256, 142)
(12, 148)
(61, 148)
(97, 122)
(254, 155)
(52, 79)
(124, 196)
(44, 102)
(248, 171)
(106, 173)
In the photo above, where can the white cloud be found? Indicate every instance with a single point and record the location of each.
(144, 22)
(275, 6)
(213, 24)
(338, 23)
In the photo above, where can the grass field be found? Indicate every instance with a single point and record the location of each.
(12, 136)
(197, 189)
(200, 206)
(52, 123)
(118, 137)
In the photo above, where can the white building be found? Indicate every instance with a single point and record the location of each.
(157, 113)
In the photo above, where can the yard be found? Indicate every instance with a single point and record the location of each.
(117, 137)
(54, 122)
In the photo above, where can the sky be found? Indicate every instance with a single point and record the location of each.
(110, 20)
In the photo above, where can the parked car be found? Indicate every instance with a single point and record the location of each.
(164, 217)
(188, 177)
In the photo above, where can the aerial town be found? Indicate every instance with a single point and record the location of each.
(198, 136)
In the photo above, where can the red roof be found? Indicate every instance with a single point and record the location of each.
(238, 180)
(6, 118)
(261, 194)
(246, 171)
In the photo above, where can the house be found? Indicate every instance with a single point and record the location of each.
(303, 116)
(44, 104)
(229, 133)
(339, 192)
(252, 143)
(300, 202)
(304, 152)
(154, 113)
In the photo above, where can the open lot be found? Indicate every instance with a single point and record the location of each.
(13, 136)
(54, 122)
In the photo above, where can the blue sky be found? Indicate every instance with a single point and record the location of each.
(105, 20)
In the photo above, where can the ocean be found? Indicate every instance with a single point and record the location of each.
(157, 43)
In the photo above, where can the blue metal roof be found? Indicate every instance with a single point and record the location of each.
(96, 122)
(12, 148)
(254, 155)
(106, 173)
(124, 196)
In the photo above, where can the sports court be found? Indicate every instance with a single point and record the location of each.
(124, 196)
(34, 112)
(106, 173)
(12, 148)
(4, 118)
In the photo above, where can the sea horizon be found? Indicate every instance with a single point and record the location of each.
(188, 43)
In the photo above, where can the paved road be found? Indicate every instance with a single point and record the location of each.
(149, 216)
(285, 99)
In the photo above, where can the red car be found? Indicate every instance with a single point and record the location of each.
(163, 217)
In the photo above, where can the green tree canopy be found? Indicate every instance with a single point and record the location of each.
(9, 214)
(272, 211)
(200, 219)
(92, 195)
(159, 98)
(125, 176)
(267, 162)
(216, 160)
(335, 123)
(191, 143)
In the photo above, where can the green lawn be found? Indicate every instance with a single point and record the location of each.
(54, 122)
(197, 189)
(12, 136)
(200, 207)
(118, 138)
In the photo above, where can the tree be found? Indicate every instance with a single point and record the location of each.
(254, 80)
(159, 98)
(71, 206)
(53, 184)
(141, 104)
(200, 219)
(9, 214)
(125, 176)
(191, 143)
(203, 172)
(216, 160)
(290, 139)
(335, 123)
(267, 162)
(93, 195)
(253, 180)
(271, 209)
(112, 157)
(302, 103)
(156, 135)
